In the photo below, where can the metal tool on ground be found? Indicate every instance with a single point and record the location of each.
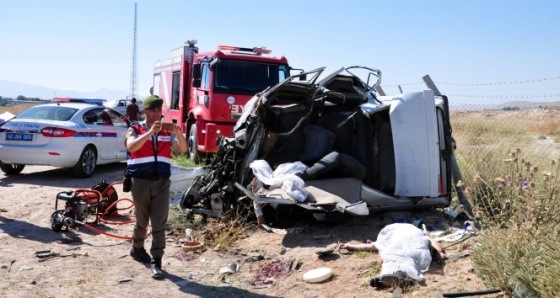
(88, 207)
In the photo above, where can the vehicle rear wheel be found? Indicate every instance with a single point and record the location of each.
(192, 144)
(11, 169)
(85, 166)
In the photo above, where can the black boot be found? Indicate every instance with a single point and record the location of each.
(140, 255)
(155, 268)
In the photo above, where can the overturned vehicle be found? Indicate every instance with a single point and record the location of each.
(331, 145)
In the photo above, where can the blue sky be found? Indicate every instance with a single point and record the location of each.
(474, 50)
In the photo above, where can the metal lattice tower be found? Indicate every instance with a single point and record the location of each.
(134, 74)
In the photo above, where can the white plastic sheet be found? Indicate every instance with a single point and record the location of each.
(404, 247)
(285, 177)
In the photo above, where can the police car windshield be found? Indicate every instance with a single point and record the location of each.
(48, 113)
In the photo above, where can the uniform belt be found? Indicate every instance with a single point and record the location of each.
(153, 178)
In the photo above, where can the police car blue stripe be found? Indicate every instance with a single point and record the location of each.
(95, 134)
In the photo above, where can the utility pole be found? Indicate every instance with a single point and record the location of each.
(134, 74)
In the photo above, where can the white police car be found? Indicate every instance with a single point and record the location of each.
(69, 135)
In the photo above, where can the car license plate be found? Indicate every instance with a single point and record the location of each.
(19, 137)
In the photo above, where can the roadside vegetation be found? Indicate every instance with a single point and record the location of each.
(510, 163)
(17, 108)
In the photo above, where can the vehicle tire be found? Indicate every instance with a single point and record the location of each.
(192, 144)
(11, 169)
(85, 166)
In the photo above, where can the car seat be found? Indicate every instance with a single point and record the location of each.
(323, 162)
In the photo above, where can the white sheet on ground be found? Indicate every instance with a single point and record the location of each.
(284, 177)
(404, 247)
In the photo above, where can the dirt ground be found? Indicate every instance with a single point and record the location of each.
(90, 264)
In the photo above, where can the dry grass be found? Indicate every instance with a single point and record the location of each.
(511, 178)
(218, 233)
(17, 108)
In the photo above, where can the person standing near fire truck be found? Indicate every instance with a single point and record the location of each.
(132, 110)
(149, 155)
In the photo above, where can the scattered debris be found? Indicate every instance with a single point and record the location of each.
(11, 263)
(260, 287)
(233, 268)
(344, 251)
(472, 293)
(274, 230)
(45, 255)
(189, 234)
(457, 256)
(42, 251)
(25, 268)
(295, 264)
(524, 291)
(255, 256)
(66, 240)
(3, 210)
(123, 280)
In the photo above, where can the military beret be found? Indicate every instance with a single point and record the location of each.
(152, 102)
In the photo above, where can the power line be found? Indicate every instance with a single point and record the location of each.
(513, 82)
(518, 96)
(502, 83)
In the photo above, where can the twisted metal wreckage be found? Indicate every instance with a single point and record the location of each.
(335, 145)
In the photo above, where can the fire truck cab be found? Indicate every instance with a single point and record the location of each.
(204, 93)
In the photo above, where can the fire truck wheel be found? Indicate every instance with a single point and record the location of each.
(192, 143)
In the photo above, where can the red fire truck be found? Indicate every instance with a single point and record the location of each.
(205, 92)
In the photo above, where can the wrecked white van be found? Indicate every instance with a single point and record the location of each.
(332, 145)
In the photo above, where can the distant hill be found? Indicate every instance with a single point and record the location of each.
(510, 105)
(529, 104)
(15, 89)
